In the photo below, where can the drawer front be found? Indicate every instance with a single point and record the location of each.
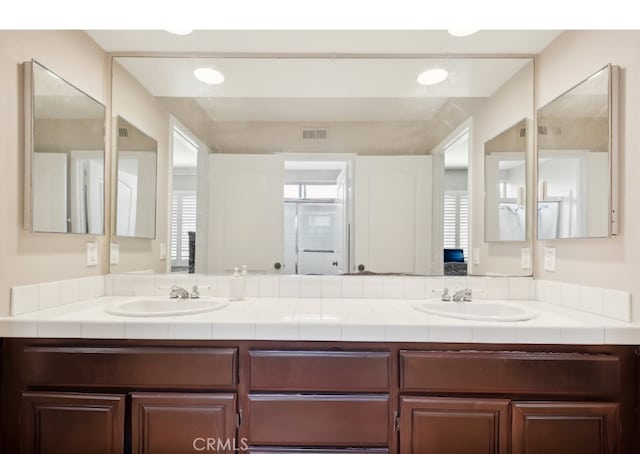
(514, 373)
(315, 420)
(319, 371)
(280, 450)
(144, 367)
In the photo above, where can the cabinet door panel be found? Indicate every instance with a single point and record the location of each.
(454, 426)
(565, 427)
(176, 423)
(70, 423)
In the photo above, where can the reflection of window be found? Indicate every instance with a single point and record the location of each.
(183, 220)
(309, 191)
(456, 221)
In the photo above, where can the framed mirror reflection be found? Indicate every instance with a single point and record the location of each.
(577, 160)
(64, 155)
(331, 165)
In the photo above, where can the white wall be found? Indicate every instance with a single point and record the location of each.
(574, 55)
(27, 258)
(136, 105)
(509, 105)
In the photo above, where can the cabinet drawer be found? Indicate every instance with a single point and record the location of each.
(314, 420)
(279, 450)
(508, 372)
(319, 371)
(144, 367)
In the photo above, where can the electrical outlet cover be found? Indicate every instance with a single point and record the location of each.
(525, 258)
(92, 253)
(550, 259)
(114, 256)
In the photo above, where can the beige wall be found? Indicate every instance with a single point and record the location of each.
(509, 105)
(573, 56)
(136, 105)
(25, 257)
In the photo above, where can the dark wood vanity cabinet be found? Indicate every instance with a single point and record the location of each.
(263, 397)
(71, 423)
(432, 425)
(177, 423)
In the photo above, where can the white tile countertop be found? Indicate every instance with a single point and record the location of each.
(321, 319)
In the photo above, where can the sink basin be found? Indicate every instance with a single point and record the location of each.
(164, 307)
(484, 310)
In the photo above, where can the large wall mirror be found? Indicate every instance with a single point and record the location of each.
(136, 157)
(577, 156)
(64, 171)
(317, 166)
(505, 178)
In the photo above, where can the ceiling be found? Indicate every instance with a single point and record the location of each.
(528, 42)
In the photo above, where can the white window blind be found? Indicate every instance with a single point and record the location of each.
(183, 220)
(456, 221)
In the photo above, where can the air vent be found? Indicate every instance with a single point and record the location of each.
(123, 132)
(315, 134)
(549, 130)
(523, 132)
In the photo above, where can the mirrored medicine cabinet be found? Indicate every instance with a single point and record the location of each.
(578, 160)
(64, 155)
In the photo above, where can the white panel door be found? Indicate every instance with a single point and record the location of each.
(245, 212)
(393, 214)
(49, 192)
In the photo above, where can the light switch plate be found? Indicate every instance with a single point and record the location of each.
(114, 256)
(92, 253)
(550, 259)
(476, 256)
(525, 258)
(163, 251)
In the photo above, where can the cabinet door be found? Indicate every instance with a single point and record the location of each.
(565, 427)
(176, 423)
(454, 426)
(69, 423)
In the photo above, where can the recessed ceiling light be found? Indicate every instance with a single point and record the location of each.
(209, 75)
(461, 32)
(180, 31)
(432, 76)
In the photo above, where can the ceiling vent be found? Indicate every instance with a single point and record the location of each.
(123, 132)
(549, 130)
(523, 132)
(315, 134)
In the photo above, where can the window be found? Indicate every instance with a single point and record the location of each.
(456, 221)
(183, 220)
(310, 191)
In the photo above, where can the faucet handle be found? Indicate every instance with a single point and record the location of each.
(467, 294)
(174, 292)
(195, 293)
(445, 295)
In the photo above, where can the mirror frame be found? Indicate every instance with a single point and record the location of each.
(114, 182)
(29, 144)
(613, 171)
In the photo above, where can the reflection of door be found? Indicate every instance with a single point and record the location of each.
(49, 192)
(393, 213)
(317, 238)
(87, 191)
(245, 212)
(127, 197)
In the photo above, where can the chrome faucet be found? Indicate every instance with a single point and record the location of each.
(178, 292)
(462, 295)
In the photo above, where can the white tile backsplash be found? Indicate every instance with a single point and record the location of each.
(498, 288)
(414, 288)
(48, 295)
(24, 299)
(331, 287)
(591, 299)
(310, 287)
(393, 287)
(144, 285)
(124, 285)
(570, 295)
(616, 304)
(69, 291)
(520, 289)
(372, 287)
(352, 287)
(289, 286)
